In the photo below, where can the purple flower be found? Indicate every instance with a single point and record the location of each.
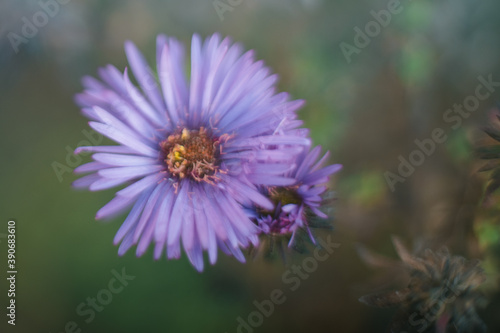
(192, 152)
(295, 205)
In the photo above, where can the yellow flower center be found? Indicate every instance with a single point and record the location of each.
(192, 153)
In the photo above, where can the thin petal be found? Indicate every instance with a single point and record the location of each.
(180, 211)
(105, 183)
(123, 160)
(195, 256)
(140, 185)
(155, 209)
(124, 138)
(130, 172)
(105, 149)
(114, 207)
(315, 177)
(164, 215)
(141, 103)
(144, 75)
(89, 167)
(307, 162)
(85, 181)
(131, 219)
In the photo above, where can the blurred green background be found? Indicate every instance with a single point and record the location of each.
(366, 111)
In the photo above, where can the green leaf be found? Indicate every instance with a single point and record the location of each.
(489, 152)
(490, 165)
(493, 133)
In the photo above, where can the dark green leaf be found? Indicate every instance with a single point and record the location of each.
(490, 165)
(489, 152)
(494, 134)
(385, 299)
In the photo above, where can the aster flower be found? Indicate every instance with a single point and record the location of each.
(297, 207)
(192, 152)
(441, 295)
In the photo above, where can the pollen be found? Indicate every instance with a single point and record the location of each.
(284, 195)
(193, 154)
(281, 196)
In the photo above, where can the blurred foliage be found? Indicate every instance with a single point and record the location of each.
(367, 113)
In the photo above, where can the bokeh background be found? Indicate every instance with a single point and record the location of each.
(367, 111)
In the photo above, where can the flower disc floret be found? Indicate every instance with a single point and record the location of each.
(192, 153)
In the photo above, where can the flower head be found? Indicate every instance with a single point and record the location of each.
(192, 151)
(296, 206)
(441, 295)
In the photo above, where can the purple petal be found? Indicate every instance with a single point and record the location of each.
(231, 235)
(317, 176)
(233, 74)
(196, 74)
(89, 167)
(131, 219)
(238, 189)
(125, 245)
(188, 231)
(111, 120)
(271, 140)
(104, 149)
(145, 240)
(195, 256)
(243, 223)
(92, 84)
(307, 162)
(272, 168)
(318, 212)
(163, 218)
(289, 208)
(174, 250)
(130, 172)
(123, 160)
(172, 78)
(270, 180)
(201, 226)
(105, 183)
(114, 207)
(218, 54)
(124, 138)
(141, 103)
(152, 211)
(170, 90)
(213, 218)
(321, 161)
(180, 211)
(158, 251)
(85, 181)
(236, 252)
(161, 40)
(113, 78)
(144, 75)
(212, 245)
(140, 185)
